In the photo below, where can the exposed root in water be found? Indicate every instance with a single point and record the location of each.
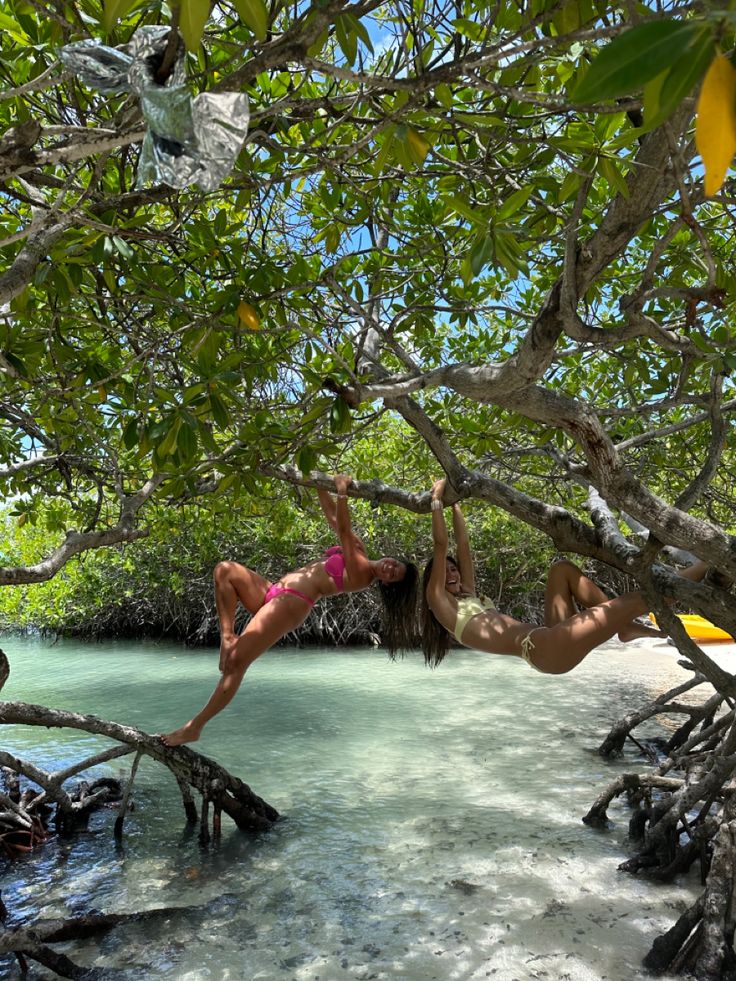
(29, 817)
(685, 813)
(30, 941)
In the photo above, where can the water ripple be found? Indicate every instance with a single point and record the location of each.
(431, 819)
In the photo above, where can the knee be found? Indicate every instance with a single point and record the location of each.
(564, 566)
(234, 670)
(563, 571)
(223, 571)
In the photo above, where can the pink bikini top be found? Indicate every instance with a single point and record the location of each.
(335, 566)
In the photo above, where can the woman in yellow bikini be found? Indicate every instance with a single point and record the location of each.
(578, 616)
(277, 608)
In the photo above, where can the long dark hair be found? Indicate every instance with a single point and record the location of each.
(435, 639)
(400, 611)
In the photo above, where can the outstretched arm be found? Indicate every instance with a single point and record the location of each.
(357, 565)
(329, 508)
(436, 584)
(464, 554)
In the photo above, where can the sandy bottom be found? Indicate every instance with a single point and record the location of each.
(431, 820)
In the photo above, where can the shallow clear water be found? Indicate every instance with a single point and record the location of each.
(431, 820)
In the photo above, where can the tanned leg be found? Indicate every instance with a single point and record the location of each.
(560, 648)
(695, 572)
(235, 583)
(269, 625)
(568, 589)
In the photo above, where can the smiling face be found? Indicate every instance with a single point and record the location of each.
(452, 578)
(390, 570)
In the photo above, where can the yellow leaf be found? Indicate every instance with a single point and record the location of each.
(418, 146)
(22, 518)
(715, 129)
(248, 316)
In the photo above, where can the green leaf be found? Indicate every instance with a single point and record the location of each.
(515, 201)
(632, 59)
(167, 446)
(613, 176)
(360, 29)
(208, 440)
(219, 225)
(340, 418)
(254, 15)
(463, 208)
(207, 353)
(332, 238)
(186, 442)
(663, 94)
(416, 145)
(122, 247)
(481, 253)
(219, 411)
(509, 253)
(470, 28)
(16, 362)
(115, 10)
(306, 460)
(317, 410)
(8, 24)
(193, 17)
(347, 38)
(385, 151)
(314, 49)
(567, 18)
(443, 94)
(130, 434)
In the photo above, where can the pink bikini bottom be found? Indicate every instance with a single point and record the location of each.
(276, 590)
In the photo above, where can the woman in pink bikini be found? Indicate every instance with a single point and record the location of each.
(279, 607)
(578, 615)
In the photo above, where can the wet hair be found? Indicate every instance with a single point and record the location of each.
(399, 601)
(435, 638)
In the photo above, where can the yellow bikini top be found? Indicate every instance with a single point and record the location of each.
(467, 608)
(474, 604)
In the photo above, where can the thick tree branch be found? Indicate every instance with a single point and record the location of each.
(76, 542)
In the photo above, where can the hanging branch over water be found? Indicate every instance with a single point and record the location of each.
(191, 770)
(216, 785)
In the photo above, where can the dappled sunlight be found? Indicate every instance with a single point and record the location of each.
(431, 819)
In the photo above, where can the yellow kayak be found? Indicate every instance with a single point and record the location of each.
(699, 628)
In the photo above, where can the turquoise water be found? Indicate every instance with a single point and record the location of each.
(431, 820)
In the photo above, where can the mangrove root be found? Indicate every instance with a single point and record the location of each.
(216, 785)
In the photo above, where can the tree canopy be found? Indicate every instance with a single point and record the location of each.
(486, 219)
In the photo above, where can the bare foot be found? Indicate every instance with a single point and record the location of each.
(635, 630)
(187, 734)
(227, 647)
